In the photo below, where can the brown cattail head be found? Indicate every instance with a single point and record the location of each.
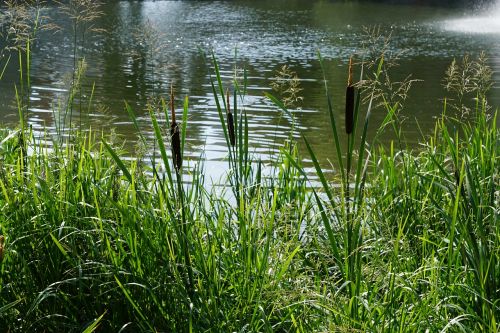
(349, 102)
(2, 240)
(175, 136)
(230, 122)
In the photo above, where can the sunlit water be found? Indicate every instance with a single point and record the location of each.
(485, 21)
(256, 36)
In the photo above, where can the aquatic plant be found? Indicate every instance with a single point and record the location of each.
(230, 121)
(286, 84)
(175, 136)
(467, 83)
(349, 102)
(83, 15)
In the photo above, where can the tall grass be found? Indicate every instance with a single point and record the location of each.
(402, 241)
(107, 243)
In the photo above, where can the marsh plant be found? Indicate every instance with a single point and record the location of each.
(20, 21)
(467, 83)
(286, 84)
(84, 16)
(149, 49)
(378, 84)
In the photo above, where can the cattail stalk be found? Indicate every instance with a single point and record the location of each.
(175, 135)
(230, 122)
(177, 161)
(349, 102)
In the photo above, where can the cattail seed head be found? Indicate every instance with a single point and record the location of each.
(175, 135)
(230, 122)
(349, 102)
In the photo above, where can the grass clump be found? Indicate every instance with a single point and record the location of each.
(92, 235)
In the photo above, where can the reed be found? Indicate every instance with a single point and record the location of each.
(83, 15)
(349, 102)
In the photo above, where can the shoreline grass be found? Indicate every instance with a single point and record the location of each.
(91, 241)
(404, 242)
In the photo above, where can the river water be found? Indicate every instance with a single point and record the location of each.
(149, 45)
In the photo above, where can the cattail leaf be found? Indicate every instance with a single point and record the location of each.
(329, 232)
(217, 103)
(161, 144)
(133, 118)
(321, 175)
(118, 161)
(333, 122)
(349, 102)
(278, 103)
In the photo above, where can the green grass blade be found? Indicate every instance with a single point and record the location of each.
(118, 161)
(333, 123)
(94, 325)
(319, 172)
(133, 303)
(161, 145)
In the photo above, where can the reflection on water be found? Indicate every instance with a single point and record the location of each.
(486, 21)
(152, 44)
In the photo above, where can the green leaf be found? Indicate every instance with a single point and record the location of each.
(92, 327)
(287, 263)
(118, 161)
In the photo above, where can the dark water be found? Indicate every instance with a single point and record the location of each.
(148, 46)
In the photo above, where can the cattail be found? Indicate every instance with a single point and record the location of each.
(349, 102)
(175, 135)
(2, 239)
(230, 122)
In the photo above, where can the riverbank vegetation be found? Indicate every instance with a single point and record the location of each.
(401, 239)
(409, 242)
